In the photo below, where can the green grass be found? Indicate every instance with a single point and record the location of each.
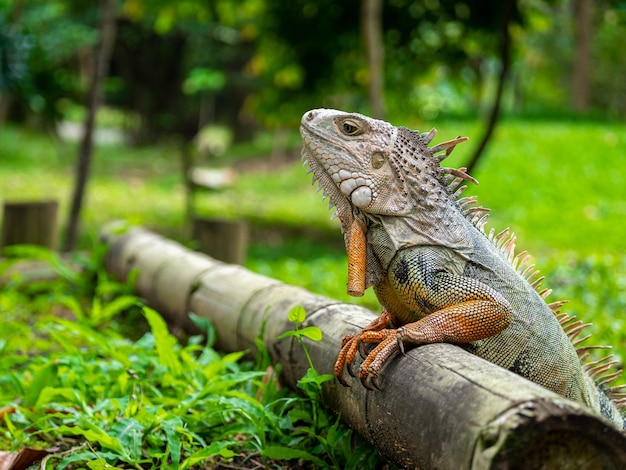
(93, 396)
(558, 185)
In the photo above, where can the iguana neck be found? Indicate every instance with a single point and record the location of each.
(436, 226)
(431, 215)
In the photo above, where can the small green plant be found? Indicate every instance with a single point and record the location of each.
(311, 383)
(78, 383)
(338, 442)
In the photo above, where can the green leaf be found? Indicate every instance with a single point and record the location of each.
(48, 394)
(312, 381)
(286, 334)
(312, 332)
(116, 306)
(129, 433)
(206, 326)
(220, 448)
(95, 434)
(289, 453)
(233, 356)
(46, 376)
(164, 341)
(297, 314)
(96, 309)
(171, 427)
(101, 464)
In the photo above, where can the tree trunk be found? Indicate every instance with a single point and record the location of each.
(440, 407)
(372, 31)
(582, 55)
(505, 65)
(5, 101)
(101, 56)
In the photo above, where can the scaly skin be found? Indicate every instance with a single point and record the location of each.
(437, 275)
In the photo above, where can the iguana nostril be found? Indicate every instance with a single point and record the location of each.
(310, 115)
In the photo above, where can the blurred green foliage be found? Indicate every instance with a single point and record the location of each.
(557, 184)
(565, 204)
(178, 66)
(247, 66)
(595, 287)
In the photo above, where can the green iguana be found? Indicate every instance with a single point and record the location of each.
(438, 276)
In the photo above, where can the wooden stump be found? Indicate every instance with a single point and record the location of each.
(224, 240)
(30, 222)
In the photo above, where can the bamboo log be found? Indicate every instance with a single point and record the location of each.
(440, 407)
(30, 222)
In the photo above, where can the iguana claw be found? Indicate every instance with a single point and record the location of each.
(362, 351)
(350, 370)
(399, 335)
(370, 383)
(342, 381)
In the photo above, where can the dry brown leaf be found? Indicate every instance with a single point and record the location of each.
(20, 460)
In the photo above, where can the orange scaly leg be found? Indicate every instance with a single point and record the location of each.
(461, 323)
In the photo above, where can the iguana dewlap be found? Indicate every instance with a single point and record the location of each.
(438, 276)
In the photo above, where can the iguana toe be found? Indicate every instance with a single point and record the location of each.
(375, 360)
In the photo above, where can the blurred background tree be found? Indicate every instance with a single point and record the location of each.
(179, 65)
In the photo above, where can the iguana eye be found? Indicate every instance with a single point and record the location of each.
(350, 127)
(377, 160)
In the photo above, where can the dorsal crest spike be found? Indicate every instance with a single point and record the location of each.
(555, 306)
(580, 341)
(460, 173)
(481, 222)
(457, 189)
(545, 293)
(466, 202)
(428, 136)
(607, 379)
(448, 146)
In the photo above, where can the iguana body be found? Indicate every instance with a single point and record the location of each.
(437, 275)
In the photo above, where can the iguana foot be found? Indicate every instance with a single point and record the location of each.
(353, 343)
(388, 344)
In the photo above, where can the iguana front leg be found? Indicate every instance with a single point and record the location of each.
(350, 345)
(449, 308)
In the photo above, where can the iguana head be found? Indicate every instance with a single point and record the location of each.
(370, 166)
(372, 170)
(349, 155)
